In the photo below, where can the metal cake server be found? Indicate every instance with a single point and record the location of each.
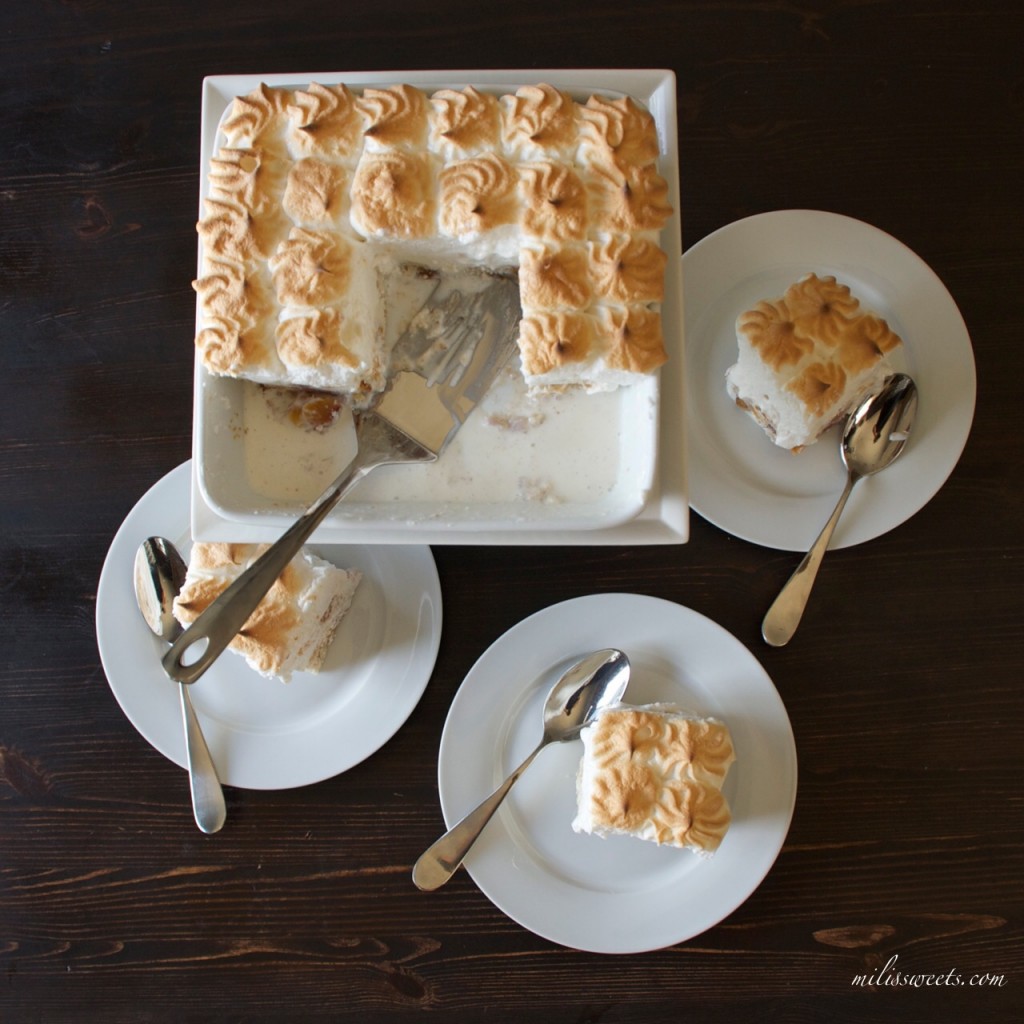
(446, 360)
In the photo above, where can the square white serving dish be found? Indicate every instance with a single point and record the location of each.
(632, 467)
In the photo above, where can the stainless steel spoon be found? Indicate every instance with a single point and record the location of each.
(159, 575)
(875, 434)
(596, 682)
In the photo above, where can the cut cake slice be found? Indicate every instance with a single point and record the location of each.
(293, 626)
(807, 358)
(655, 773)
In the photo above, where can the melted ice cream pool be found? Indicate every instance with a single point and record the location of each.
(546, 449)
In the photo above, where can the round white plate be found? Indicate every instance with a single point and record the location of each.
(742, 482)
(615, 895)
(262, 733)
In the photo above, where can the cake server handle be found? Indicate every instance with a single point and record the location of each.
(221, 621)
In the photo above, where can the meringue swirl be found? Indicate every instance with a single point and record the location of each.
(313, 339)
(554, 202)
(551, 340)
(631, 199)
(628, 269)
(464, 122)
(635, 342)
(395, 116)
(554, 277)
(819, 386)
(310, 268)
(326, 121)
(618, 131)
(393, 195)
(477, 195)
(258, 114)
(772, 331)
(316, 194)
(540, 119)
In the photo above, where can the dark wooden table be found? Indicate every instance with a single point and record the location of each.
(904, 686)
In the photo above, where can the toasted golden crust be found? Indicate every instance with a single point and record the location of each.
(656, 774)
(540, 119)
(464, 122)
(393, 195)
(293, 625)
(807, 357)
(318, 189)
(477, 195)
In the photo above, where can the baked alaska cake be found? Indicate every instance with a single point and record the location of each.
(807, 358)
(319, 194)
(293, 626)
(655, 773)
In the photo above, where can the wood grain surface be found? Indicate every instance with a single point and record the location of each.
(904, 686)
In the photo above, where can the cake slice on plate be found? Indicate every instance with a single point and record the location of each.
(807, 358)
(293, 626)
(655, 773)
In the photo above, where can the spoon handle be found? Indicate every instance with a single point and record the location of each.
(225, 616)
(208, 804)
(442, 858)
(787, 609)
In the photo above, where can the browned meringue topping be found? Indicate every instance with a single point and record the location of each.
(395, 116)
(629, 199)
(771, 329)
(319, 337)
(550, 340)
(635, 340)
(628, 269)
(464, 122)
(260, 113)
(316, 194)
(656, 774)
(819, 386)
(711, 749)
(226, 292)
(820, 306)
(554, 277)
(265, 631)
(540, 117)
(393, 194)
(310, 268)
(867, 339)
(229, 232)
(327, 121)
(309, 174)
(294, 623)
(240, 176)
(619, 131)
(554, 202)
(226, 347)
(477, 195)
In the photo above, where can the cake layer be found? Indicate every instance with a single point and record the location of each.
(806, 359)
(293, 626)
(320, 192)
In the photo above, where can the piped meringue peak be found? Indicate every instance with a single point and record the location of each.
(321, 190)
(806, 358)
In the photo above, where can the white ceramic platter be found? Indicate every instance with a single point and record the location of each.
(262, 733)
(615, 895)
(742, 482)
(638, 469)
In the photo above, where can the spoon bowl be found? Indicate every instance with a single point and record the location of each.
(876, 433)
(159, 574)
(592, 684)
